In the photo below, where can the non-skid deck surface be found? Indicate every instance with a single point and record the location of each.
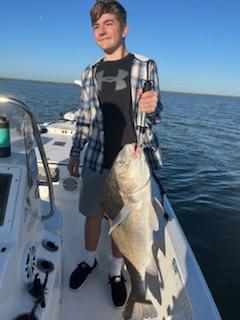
(93, 300)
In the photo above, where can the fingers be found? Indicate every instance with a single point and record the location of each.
(75, 172)
(73, 166)
(148, 101)
(150, 93)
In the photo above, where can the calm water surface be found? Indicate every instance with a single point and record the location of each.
(200, 141)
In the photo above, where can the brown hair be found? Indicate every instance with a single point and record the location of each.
(105, 6)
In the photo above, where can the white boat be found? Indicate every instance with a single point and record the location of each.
(41, 237)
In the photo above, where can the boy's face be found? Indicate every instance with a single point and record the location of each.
(109, 33)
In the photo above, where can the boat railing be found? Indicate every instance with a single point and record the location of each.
(38, 140)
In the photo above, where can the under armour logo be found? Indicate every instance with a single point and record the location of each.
(118, 79)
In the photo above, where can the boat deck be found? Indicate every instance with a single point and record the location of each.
(93, 300)
(179, 291)
(178, 272)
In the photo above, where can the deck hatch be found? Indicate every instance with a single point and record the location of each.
(59, 143)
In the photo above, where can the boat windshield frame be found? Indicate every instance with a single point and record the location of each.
(32, 130)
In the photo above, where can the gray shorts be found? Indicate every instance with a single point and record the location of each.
(91, 192)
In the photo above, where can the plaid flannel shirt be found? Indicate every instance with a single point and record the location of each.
(89, 124)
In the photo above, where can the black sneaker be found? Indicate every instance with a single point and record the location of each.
(118, 289)
(80, 274)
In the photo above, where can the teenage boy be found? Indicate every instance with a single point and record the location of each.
(112, 102)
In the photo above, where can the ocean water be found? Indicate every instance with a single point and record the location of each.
(200, 141)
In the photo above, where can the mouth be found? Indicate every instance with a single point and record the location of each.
(104, 39)
(136, 150)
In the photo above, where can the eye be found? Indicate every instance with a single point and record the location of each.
(120, 161)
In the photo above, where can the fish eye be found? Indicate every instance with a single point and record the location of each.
(120, 161)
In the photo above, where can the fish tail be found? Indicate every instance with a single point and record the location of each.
(139, 309)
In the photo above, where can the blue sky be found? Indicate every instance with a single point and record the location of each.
(196, 44)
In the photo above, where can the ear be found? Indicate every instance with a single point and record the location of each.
(125, 31)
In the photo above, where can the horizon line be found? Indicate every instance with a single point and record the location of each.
(162, 90)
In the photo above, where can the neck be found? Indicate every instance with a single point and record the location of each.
(117, 54)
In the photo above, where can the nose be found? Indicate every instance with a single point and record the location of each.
(101, 30)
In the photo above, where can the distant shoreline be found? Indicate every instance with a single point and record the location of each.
(167, 91)
(41, 81)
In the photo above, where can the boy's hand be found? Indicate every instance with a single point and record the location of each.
(148, 101)
(73, 166)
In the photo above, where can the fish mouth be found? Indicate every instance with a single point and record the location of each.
(132, 151)
(136, 150)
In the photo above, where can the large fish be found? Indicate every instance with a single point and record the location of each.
(127, 202)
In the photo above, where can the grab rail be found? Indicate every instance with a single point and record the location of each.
(40, 147)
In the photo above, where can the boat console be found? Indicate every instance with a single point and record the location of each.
(30, 254)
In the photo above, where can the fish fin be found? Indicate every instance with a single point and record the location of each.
(153, 220)
(139, 310)
(152, 267)
(176, 317)
(123, 214)
(158, 206)
(111, 202)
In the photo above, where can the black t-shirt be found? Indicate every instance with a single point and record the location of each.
(114, 92)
